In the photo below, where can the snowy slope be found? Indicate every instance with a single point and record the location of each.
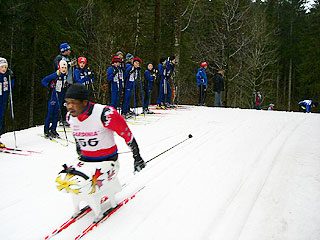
(244, 175)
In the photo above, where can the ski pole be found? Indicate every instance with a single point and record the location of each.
(189, 136)
(142, 95)
(134, 95)
(12, 113)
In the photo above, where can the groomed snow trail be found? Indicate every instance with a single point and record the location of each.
(245, 175)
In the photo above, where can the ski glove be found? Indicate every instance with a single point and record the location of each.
(138, 161)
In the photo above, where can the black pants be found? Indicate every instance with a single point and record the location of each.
(202, 94)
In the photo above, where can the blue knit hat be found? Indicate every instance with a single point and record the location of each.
(64, 47)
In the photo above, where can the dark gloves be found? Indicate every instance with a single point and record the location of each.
(10, 73)
(116, 70)
(138, 161)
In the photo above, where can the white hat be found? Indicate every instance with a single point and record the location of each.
(63, 63)
(3, 62)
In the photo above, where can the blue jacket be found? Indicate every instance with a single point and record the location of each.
(170, 70)
(162, 71)
(83, 76)
(114, 74)
(131, 74)
(202, 77)
(56, 84)
(149, 77)
(307, 104)
(5, 86)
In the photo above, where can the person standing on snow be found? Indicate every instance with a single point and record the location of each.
(257, 100)
(171, 63)
(115, 75)
(95, 173)
(202, 82)
(6, 75)
(149, 79)
(162, 73)
(218, 87)
(83, 74)
(131, 75)
(57, 84)
(306, 105)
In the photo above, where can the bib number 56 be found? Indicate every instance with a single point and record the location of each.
(92, 142)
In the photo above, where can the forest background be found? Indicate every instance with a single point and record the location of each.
(271, 45)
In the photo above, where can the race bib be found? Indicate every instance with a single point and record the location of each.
(0, 89)
(5, 84)
(58, 85)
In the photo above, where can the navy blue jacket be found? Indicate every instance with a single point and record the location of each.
(82, 76)
(5, 86)
(57, 85)
(149, 77)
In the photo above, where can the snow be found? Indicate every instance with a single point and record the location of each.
(244, 175)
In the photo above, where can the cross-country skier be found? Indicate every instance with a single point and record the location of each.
(5, 74)
(131, 75)
(149, 78)
(162, 73)
(306, 105)
(202, 82)
(171, 63)
(57, 84)
(115, 76)
(83, 74)
(95, 174)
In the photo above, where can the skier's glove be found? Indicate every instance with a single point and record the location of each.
(138, 161)
(115, 71)
(10, 73)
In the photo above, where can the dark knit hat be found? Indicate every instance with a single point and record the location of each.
(77, 91)
(162, 59)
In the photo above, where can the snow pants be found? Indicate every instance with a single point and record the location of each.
(116, 89)
(165, 93)
(147, 95)
(101, 181)
(3, 101)
(127, 95)
(52, 116)
(202, 94)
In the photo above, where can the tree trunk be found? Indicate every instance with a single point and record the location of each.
(156, 47)
(177, 39)
(33, 73)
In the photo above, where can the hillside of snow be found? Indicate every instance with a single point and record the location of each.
(245, 175)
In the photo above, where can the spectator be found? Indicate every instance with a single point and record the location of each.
(257, 100)
(306, 105)
(202, 82)
(218, 87)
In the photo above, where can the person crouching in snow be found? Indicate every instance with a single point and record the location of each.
(57, 84)
(5, 84)
(306, 105)
(94, 175)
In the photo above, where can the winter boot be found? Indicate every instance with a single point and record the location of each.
(54, 133)
(47, 134)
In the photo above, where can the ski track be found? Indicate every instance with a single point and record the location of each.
(213, 186)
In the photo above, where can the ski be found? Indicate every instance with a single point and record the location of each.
(4, 150)
(84, 211)
(107, 214)
(55, 140)
(19, 150)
